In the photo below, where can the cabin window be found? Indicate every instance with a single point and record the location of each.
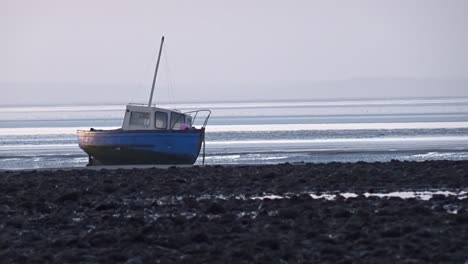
(160, 120)
(139, 119)
(177, 120)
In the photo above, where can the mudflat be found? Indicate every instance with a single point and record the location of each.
(286, 213)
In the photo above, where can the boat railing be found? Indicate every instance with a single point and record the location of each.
(194, 115)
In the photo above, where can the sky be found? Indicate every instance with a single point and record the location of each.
(91, 51)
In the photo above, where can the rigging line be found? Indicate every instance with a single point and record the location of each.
(171, 84)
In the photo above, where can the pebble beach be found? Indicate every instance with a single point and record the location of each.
(382, 212)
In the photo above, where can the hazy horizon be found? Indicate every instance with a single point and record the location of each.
(57, 52)
(325, 91)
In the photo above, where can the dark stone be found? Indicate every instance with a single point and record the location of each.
(101, 239)
(134, 260)
(106, 206)
(200, 237)
(269, 243)
(215, 208)
(270, 175)
(288, 213)
(73, 196)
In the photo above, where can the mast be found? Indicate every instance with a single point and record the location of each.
(156, 71)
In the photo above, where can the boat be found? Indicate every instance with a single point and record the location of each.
(149, 135)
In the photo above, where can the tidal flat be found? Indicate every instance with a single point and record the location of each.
(382, 212)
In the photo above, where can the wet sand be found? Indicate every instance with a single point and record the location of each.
(219, 214)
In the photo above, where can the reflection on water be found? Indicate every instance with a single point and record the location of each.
(421, 195)
(331, 196)
(259, 132)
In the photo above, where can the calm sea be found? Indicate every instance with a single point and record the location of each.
(258, 132)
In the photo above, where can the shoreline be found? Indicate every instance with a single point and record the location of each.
(212, 214)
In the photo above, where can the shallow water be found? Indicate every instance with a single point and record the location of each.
(421, 195)
(259, 132)
(329, 196)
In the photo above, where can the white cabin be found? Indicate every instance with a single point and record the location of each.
(140, 117)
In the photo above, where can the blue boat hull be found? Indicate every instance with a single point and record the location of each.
(140, 147)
